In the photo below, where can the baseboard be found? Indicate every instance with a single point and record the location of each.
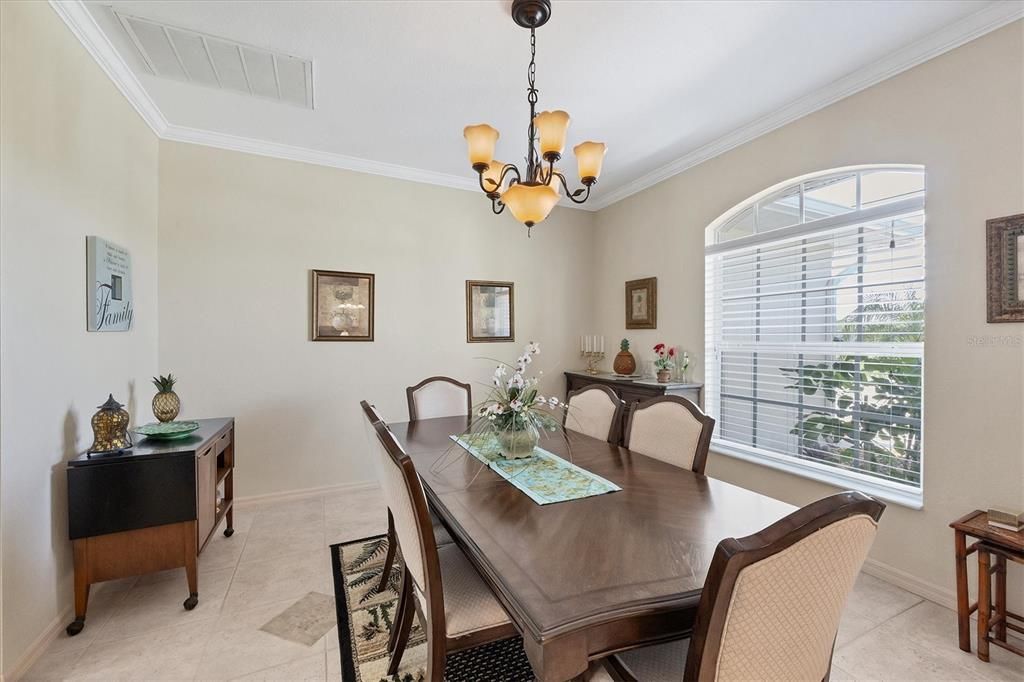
(303, 493)
(911, 583)
(36, 649)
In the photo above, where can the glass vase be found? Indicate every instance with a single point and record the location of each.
(518, 443)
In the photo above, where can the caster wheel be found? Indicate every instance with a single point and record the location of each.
(75, 627)
(228, 532)
(191, 602)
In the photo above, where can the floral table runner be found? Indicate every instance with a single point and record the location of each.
(544, 477)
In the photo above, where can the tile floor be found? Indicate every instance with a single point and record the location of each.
(137, 629)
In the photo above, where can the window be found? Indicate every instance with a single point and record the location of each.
(815, 296)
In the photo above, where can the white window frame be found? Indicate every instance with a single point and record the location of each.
(902, 494)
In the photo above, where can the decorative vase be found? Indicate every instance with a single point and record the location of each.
(166, 405)
(624, 363)
(517, 443)
(664, 375)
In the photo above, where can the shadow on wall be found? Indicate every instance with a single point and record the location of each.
(58, 498)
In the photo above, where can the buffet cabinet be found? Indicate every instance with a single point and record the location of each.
(635, 389)
(151, 508)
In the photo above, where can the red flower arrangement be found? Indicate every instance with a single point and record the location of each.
(665, 356)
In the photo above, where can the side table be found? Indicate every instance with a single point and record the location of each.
(975, 525)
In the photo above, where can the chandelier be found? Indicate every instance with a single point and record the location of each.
(531, 194)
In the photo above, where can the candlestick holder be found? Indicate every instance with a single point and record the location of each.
(592, 357)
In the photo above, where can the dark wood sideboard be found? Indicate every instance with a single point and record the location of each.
(634, 390)
(151, 508)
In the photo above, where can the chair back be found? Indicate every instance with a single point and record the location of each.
(403, 492)
(439, 397)
(594, 411)
(672, 429)
(771, 603)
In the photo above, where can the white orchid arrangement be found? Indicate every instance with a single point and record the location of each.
(514, 402)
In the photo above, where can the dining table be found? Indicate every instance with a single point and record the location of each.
(585, 578)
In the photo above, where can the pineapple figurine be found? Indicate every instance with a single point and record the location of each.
(165, 403)
(625, 363)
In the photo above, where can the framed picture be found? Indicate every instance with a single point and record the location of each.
(342, 307)
(108, 270)
(1006, 268)
(490, 312)
(642, 303)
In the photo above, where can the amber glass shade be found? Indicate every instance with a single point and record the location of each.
(530, 204)
(481, 139)
(551, 128)
(492, 177)
(589, 157)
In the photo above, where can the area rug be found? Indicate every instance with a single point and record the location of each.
(365, 618)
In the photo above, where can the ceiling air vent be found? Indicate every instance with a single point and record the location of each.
(185, 55)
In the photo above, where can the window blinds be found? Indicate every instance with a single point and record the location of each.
(815, 339)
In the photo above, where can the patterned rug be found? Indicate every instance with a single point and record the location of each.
(365, 618)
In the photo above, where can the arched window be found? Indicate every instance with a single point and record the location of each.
(815, 298)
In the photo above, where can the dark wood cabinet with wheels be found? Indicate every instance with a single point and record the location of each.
(151, 508)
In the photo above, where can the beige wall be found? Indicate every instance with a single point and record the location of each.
(75, 160)
(238, 237)
(962, 116)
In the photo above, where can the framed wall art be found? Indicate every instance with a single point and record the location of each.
(342, 308)
(490, 311)
(642, 303)
(108, 270)
(1005, 238)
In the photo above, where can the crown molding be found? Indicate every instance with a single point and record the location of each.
(284, 151)
(973, 26)
(84, 27)
(985, 20)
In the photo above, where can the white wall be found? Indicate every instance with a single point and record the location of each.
(961, 115)
(238, 237)
(75, 160)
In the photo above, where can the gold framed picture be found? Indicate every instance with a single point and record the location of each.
(1005, 238)
(642, 303)
(490, 311)
(342, 308)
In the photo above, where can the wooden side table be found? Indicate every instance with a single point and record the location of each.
(975, 525)
(994, 622)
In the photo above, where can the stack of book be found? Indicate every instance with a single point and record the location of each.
(1006, 519)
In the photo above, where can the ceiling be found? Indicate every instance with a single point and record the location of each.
(664, 84)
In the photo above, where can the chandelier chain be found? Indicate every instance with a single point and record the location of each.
(531, 97)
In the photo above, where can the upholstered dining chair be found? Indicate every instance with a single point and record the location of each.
(432, 397)
(456, 607)
(672, 429)
(439, 397)
(771, 603)
(594, 411)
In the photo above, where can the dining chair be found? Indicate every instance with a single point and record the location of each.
(672, 429)
(439, 397)
(432, 397)
(594, 411)
(456, 607)
(771, 602)
(440, 532)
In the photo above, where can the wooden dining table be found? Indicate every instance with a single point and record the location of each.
(585, 578)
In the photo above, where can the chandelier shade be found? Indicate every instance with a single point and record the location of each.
(530, 204)
(589, 157)
(481, 139)
(531, 193)
(492, 177)
(552, 127)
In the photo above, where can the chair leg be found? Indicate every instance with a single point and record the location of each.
(404, 627)
(984, 603)
(389, 558)
(401, 613)
(437, 655)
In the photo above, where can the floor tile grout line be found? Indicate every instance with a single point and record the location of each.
(920, 600)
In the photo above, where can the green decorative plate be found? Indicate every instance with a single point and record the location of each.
(167, 430)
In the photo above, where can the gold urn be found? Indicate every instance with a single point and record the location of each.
(110, 428)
